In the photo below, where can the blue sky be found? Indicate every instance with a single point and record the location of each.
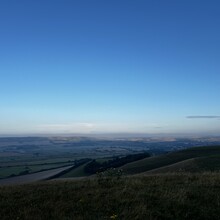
(91, 66)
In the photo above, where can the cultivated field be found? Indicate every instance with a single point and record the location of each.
(39, 176)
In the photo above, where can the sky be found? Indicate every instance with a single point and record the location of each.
(109, 66)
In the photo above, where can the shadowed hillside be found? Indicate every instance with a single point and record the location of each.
(191, 160)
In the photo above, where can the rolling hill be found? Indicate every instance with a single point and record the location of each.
(192, 193)
(197, 159)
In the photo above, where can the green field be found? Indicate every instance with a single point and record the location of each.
(32, 168)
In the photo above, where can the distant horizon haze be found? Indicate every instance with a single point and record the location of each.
(115, 135)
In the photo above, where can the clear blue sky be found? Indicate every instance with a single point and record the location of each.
(81, 66)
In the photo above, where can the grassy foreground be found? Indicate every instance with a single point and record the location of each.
(174, 196)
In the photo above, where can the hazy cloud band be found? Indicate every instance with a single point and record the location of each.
(203, 117)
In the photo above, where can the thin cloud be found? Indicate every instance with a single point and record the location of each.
(71, 127)
(203, 117)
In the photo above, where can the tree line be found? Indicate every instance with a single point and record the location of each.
(94, 166)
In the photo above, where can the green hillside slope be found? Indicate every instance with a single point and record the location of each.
(201, 164)
(193, 159)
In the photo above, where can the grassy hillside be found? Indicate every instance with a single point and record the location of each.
(188, 196)
(77, 172)
(201, 164)
(193, 159)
